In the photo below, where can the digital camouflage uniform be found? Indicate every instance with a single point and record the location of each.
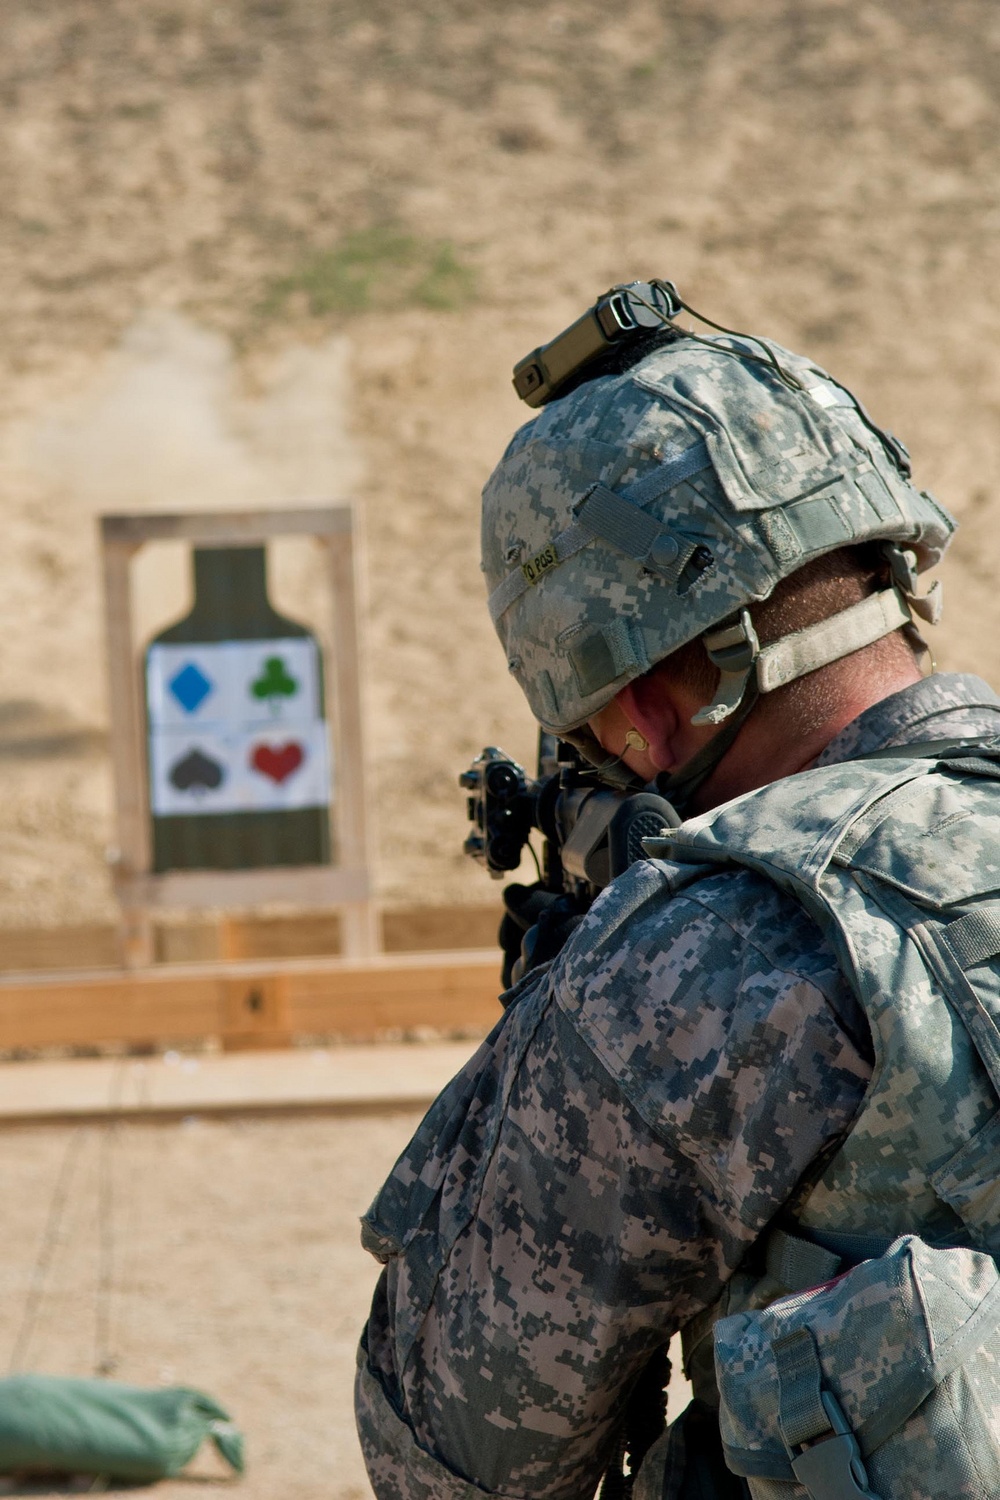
(593, 1178)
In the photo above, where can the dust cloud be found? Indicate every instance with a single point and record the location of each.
(169, 420)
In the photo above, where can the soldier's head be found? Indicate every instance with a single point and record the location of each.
(692, 543)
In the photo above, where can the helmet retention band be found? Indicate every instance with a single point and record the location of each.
(737, 653)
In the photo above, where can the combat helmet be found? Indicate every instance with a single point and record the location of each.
(646, 508)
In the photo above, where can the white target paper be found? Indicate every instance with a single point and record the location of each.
(236, 727)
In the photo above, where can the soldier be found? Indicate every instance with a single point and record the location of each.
(702, 559)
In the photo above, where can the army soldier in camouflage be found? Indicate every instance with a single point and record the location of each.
(702, 566)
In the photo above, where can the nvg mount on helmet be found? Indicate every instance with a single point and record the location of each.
(623, 320)
(619, 316)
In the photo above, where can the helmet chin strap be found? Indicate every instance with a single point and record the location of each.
(678, 787)
(734, 649)
(747, 670)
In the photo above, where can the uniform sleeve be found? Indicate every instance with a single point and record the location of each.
(590, 1181)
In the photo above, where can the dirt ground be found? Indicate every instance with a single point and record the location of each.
(276, 250)
(236, 1269)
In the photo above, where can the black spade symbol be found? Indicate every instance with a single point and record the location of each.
(197, 772)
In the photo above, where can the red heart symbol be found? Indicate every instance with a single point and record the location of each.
(277, 761)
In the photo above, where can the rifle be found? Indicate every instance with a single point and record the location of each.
(590, 835)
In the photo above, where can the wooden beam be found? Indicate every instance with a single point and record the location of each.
(298, 885)
(298, 1082)
(360, 931)
(224, 528)
(309, 933)
(128, 749)
(126, 709)
(251, 1004)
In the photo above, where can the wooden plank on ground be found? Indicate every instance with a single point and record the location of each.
(299, 1081)
(137, 1005)
(251, 1004)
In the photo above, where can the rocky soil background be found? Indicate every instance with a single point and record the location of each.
(274, 251)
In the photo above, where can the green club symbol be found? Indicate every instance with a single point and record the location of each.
(274, 683)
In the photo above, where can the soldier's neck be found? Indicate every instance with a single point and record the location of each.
(764, 751)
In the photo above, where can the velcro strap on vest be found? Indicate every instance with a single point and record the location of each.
(797, 1264)
(801, 1413)
(975, 938)
(953, 948)
(823, 1448)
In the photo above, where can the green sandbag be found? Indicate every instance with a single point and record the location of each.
(53, 1425)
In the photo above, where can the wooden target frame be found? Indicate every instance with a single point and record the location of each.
(346, 885)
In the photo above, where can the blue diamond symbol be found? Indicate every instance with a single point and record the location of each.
(190, 687)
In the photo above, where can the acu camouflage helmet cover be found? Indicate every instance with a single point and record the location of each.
(645, 508)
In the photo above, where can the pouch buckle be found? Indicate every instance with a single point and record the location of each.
(831, 1468)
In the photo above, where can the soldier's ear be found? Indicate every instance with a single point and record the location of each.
(649, 703)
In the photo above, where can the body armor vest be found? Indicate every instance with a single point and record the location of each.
(897, 859)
